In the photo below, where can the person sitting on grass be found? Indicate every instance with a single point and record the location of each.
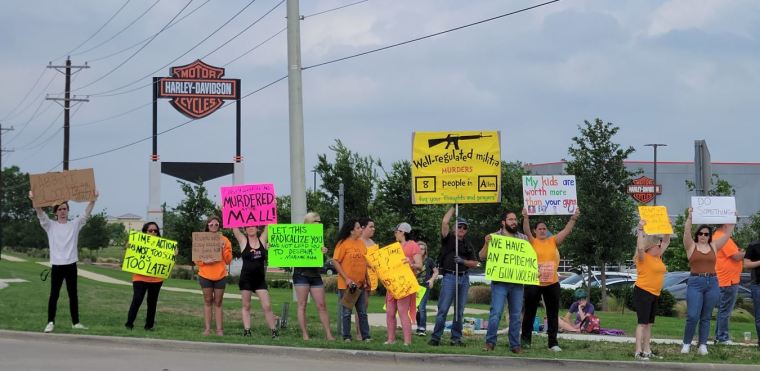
(581, 308)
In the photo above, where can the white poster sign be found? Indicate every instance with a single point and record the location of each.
(549, 194)
(713, 210)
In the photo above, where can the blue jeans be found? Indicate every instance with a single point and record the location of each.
(513, 294)
(422, 310)
(755, 288)
(445, 299)
(361, 308)
(725, 307)
(701, 297)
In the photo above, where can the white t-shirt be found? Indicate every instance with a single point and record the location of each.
(62, 238)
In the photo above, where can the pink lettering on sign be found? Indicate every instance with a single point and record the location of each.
(248, 205)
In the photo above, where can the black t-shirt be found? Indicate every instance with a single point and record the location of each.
(446, 258)
(753, 254)
(426, 272)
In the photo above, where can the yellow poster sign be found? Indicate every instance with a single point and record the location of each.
(373, 280)
(456, 167)
(149, 255)
(511, 260)
(394, 271)
(656, 218)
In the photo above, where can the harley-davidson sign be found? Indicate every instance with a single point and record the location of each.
(642, 189)
(197, 89)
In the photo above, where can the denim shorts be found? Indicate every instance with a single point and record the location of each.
(209, 284)
(301, 280)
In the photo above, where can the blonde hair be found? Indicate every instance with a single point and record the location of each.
(311, 217)
(652, 240)
(423, 243)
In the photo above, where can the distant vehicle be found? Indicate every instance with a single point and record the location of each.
(678, 290)
(478, 278)
(577, 280)
(328, 268)
(613, 283)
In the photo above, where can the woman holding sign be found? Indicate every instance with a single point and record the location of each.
(547, 252)
(142, 284)
(212, 276)
(253, 276)
(651, 275)
(308, 280)
(349, 259)
(702, 290)
(406, 308)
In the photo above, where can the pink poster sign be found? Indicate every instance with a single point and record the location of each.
(248, 205)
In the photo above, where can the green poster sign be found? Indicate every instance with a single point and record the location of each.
(149, 255)
(511, 260)
(295, 245)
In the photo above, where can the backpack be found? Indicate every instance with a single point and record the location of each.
(590, 324)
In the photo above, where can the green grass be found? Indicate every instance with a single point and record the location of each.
(103, 307)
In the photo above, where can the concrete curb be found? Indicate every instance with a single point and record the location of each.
(370, 356)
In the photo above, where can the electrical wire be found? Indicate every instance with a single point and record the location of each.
(31, 102)
(44, 69)
(334, 9)
(120, 31)
(96, 32)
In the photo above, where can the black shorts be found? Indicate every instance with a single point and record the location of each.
(252, 281)
(307, 281)
(210, 284)
(645, 304)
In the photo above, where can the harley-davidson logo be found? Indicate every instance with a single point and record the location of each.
(642, 189)
(197, 89)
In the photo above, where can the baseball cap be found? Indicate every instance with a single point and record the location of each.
(404, 227)
(462, 221)
(580, 294)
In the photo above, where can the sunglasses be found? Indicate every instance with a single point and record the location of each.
(317, 221)
(152, 231)
(703, 234)
(462, 226)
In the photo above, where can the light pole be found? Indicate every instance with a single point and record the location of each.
(655, 145)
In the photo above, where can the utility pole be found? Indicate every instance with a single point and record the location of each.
(2, 129)
(67, 99)
(295, 114)
(655, 145)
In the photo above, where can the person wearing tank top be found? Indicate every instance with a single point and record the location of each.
(702, 286)
(253, 276)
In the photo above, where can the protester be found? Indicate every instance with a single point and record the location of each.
(406, 306)
(425, 277)
(350, 262)
(212, 277)
(253, 253)
(752, 261)
(63, 237)
(502, 292)
(547, 253)
(306, 281)
(651, 275)
(728, 267)
(368, 231)
(702, 286)
(581, 307)
(456, 281)
(142, 285)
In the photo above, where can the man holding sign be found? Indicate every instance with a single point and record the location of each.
(63, 237)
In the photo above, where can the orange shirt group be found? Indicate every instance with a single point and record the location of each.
(728, 270)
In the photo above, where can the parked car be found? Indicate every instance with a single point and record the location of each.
(679, 289)
(616, 282)
(577, 280)
(478, 278)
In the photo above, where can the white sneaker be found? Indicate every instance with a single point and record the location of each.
(702, 350)
(685, 349)
(555, 348)
(79, 326)
(727, 342)
(50, 327)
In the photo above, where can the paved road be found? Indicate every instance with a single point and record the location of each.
(45, 352)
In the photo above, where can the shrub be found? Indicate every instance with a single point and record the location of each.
(479, 294)
(331, 284)
(182, 273)
(280, 284)
(742, 315)
(666, 303)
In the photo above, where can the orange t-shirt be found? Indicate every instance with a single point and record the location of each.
(141, 278)
(351, 256)
(548, 260)
(217, 270)
(651, 274)
(729, 270)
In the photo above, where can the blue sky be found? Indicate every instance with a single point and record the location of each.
(664, 71)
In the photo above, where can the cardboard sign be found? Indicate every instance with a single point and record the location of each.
(373, 280)
(393, 270)
(295, 245)
(248, 205)
(149, 255)
(549, 194)
(456, 167)
(657, 220)
(207, 246)
(53, 188)
(511, 260)
(713, 210)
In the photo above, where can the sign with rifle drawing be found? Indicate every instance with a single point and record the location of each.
(456, 167)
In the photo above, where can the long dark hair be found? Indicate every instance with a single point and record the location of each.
(709, 230)
(148, 224)
(345, 230)
(205, 229)
(363, 222)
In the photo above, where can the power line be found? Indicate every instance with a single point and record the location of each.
(429, 36)
(147, 38)
(255, 47)
(138, 50)
(244, 30)
(334, 9)
(120, 31)
(31, 102)
(25, 95)
(96, 32)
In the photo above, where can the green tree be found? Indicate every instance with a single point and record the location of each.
(18, 219)
(95, 233)
(604, 232)
(117, 234)
(188, 217)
